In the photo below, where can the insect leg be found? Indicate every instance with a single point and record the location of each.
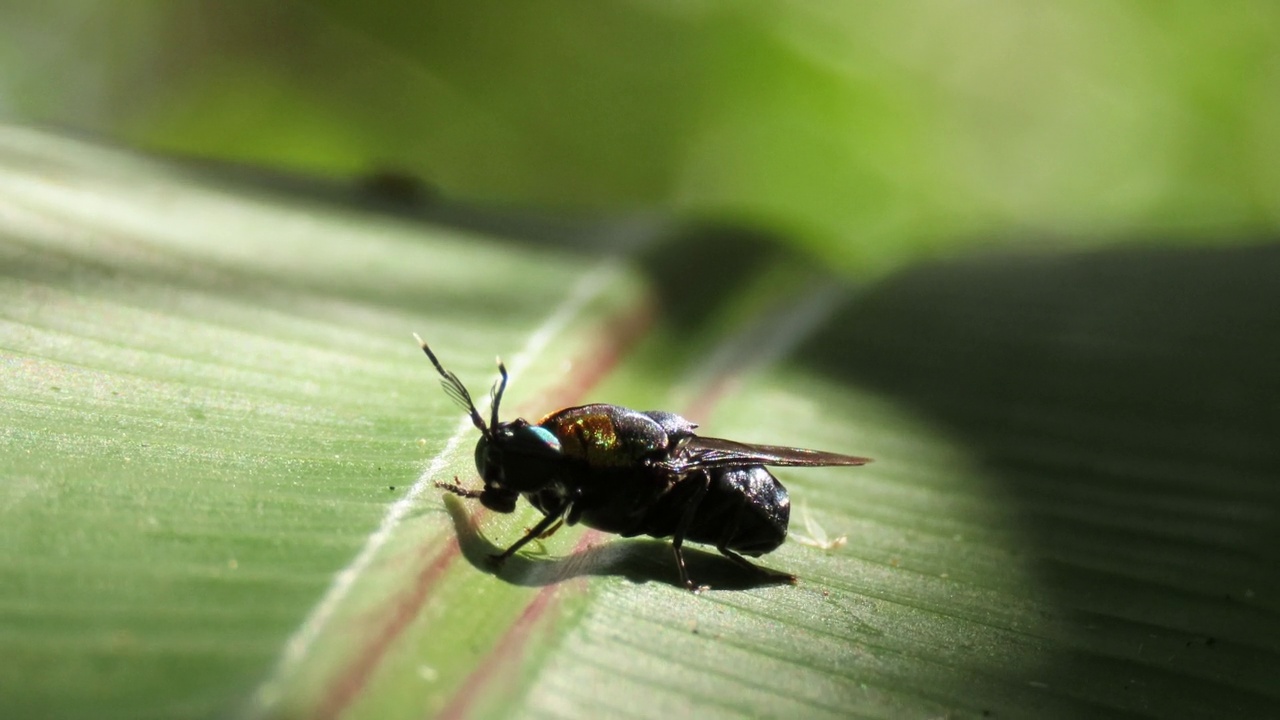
(723, 547)
(552, 530)
(769, 575)
(533, 534)
(703, 481)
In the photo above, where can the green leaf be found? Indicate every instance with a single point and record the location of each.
(211, 398)
(220, 439)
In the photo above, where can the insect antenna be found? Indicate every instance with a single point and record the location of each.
(497, 393)
(454, 388)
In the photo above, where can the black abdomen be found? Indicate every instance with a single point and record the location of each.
(745, 510)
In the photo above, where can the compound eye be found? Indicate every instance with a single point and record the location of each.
(534, 440)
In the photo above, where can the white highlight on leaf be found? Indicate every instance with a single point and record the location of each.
(298, 644)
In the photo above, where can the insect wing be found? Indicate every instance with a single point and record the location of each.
(697, 452)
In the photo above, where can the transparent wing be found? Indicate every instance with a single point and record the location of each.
(706, 452)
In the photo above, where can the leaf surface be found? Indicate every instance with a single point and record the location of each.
(219, 441)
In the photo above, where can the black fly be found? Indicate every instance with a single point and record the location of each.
(633, 473)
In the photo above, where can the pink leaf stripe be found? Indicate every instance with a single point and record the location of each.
(511, 645)
(350, 681)
(772, 336)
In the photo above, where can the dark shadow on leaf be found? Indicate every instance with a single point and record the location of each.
(639, 560)
(1128, 400)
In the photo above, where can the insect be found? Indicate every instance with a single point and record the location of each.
(632, 473)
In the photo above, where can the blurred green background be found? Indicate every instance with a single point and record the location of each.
(1080, 513)
(869, 133)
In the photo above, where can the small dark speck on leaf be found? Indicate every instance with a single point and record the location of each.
(396, 187)
(55, 388)
(391, 487)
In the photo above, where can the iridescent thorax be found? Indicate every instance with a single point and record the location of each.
(606, 435)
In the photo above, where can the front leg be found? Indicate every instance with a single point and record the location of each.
(552, 530)
(543, 527)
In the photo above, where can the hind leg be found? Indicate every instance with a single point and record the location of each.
(769, 576)
(774, 577)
